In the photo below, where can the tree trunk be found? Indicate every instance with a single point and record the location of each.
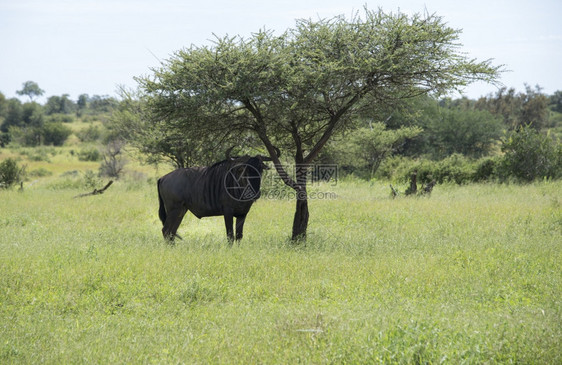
(300, 222)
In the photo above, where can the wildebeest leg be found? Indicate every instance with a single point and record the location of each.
(240, 227)
(173, 221)
(228, 224)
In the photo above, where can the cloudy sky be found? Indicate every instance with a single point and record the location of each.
(93, 46)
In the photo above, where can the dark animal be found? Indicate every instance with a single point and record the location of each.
(227, 188)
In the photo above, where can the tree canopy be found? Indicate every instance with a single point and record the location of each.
(31, 89)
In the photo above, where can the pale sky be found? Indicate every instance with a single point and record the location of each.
(93, 46)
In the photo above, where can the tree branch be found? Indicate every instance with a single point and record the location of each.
(96, 191)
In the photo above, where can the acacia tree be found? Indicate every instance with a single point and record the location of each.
(295, 90)
(31, 89)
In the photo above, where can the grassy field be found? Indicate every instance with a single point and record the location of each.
(471, 274)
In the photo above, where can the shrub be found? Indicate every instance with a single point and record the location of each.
(113, 160)
(55, 133)
(487, 169)
(530, 155)
(456, 168)
(10, 173)
(25, 136)
(395, 167)
(91, 179)
(40, 172)
(38, 153)
(4, 139)
(89, 154)
(90, 134)
(60, 118)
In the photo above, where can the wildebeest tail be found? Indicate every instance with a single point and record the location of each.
(162, 209)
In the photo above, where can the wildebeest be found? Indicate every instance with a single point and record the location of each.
(227, 188)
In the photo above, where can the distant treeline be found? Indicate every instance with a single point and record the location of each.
(32, 124)
(501, 136)
(508, 135)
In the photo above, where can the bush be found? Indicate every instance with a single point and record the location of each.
(4, 139)
(363, 150)
(40, 172)
(10, 173)
(38, 153)
(90, 134)
(25, 136)
(530, 155)
(60, 118)
(455, 168)
(48, 134)
(55, 133)
(487, 169)
(89, 154)
(91, 179)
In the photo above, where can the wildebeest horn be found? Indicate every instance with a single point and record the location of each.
(228, 152)
(277, 151)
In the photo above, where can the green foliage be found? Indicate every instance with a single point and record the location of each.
(26, 125)
(165, 142)
(362, 150)
(25, 136)
(10, 173)
(468, 132)
(488, 169)
(12, 115)
(98, 104)
(90, 134)
(555, 101)
(298, 88)
(89, 154)
(40, 172)
(4, 139)
(92, 180)
(3, 106)
(32, 115)
(518, 109)
(530, 155)
(49, 134)
(60, 118)
(30, 89)
(37, 154)
(59, 105)
(454, 169)
(449, 127)
(55, 133)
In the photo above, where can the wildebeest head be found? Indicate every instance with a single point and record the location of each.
(243, 179)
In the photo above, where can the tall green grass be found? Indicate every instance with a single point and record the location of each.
(469, 275)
